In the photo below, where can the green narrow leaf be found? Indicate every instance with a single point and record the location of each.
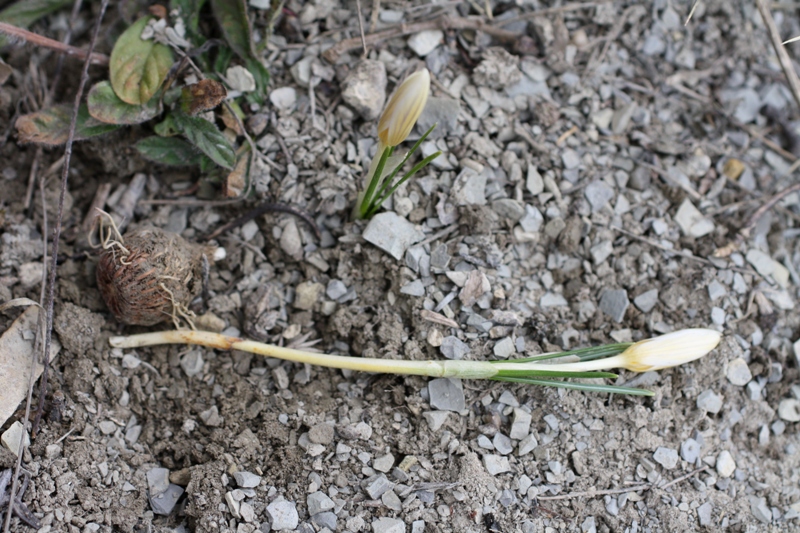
(169, 151)
(51, 126)
(138, 67)
(589, 387)
(23, 13)
(105, 106)
(207, 138)
(232, 18)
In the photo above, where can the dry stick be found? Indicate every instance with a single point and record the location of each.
(373, 19)
(73, 18)
(32, 177)
(361, 27)
(32, 377)
(51, 282)
(777, 44)
(633, 488)
(333, 53)
(52, 44)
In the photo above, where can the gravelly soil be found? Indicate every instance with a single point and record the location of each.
(587, 176)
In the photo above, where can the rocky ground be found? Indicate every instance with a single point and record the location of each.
(589, 172)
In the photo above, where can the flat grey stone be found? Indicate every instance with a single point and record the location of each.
(246, 480)
(690, 450)
(521, 424)
(321, 433)
(508, 398)
(335, 289)
(768, 267)
(425, 42)
(725, 464)
(704, 514)
(614, 303)
(622, 118)
(388, 525)
(435, 419)
(588, 525)
(505, 348)
(738, 373)
(509, 209)
(552, 299)
(377, 485)
(446, 394)
(325, 520)
(646, 301)
(570, 159)
(691, 220)
(598, 194)
(211, 417)
(413, 288)
(469, 188)
(760, 509)
(527, 445)
(532, 220)
(534, 182)
(192, 362)
(502, 444)
(716, 290)
(392, 501)
(789, 410)
(392, 234)
(666, 457)
(601, 251)
(282, 515)
(283, 98)
(157, 481)
(442, 111)
(496, 464)
(453, 348)
(364, 88)
(383, 463)
(164, 503)
(319, 502)
(12, 436)
(709, 401)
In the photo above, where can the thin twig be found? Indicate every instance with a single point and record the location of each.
(551, 11)
(51, 282)
(777, 44)
(691, 13)
(73, 18)
(633, 488)
(32, 177)
(266, 208)
(361, 27)
(52, 44)
(333, 53)
(373, 19)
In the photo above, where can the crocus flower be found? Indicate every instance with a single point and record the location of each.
(404, 108)
(668, 350)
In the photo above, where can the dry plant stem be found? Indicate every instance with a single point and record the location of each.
(361, 27)
(32, 177)
(76, 8)
(52, 44)
(552, 11)
(34, 353)
(51, 281)
(373, 19)
(444, 22)
(783, 55)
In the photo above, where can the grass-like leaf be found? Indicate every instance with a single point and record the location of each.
(138, 67)
(583, 354)
(207, 138)
(106, 106)
(590, 387)
(169, 151)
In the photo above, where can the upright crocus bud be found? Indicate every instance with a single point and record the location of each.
(668, 350)
(404, 108)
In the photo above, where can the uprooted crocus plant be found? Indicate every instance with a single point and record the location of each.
(668, 350)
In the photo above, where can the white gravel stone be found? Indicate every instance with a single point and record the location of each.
(192, 362)
(283, 515)
(392, 234)
(496, 464)
(364, 88)
(789, 410)
(768, 267)
(716, 290)
(718, 316)
(601, 251)
(614, 303)
(435, 419)
(598, 193)
(690, 451)
(284, 98)
(335, 289)
(383, 463)
(446, 394)
(453, 348)
(11, 437)
(246, 480)
(691, 221)
(527, 445)
(502, 444)
(413, 288)
(505, 348)
(704, 514)
(532, 221)
(388, 525)
(725, 464)
(534, 182)
(425, 42)
(157, 481)
(646, 301)
(709, 401)
(760, 509)
(521, 424)
(319, 502)
(163, 504)
(666, 457)
(738, 373)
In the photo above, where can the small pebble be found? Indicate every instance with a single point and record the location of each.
(246, 480)
(453, 348)
(425, 42)
(446, 394)
(392, 234)
(725, 464)
(789, 410)
(666, 457)
(738, 373)
(496, 464)
(283, 515)
(157, 481)
(614, 303)
(319, 502)
(388, 525)
(709, 401)
(690, 451)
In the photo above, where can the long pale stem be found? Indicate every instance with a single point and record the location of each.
(461, 369)
(616, 361)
